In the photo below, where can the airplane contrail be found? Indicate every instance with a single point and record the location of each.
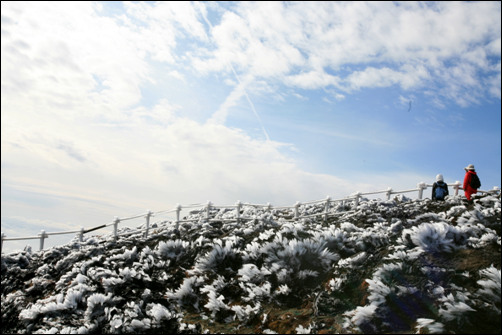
(221, 114)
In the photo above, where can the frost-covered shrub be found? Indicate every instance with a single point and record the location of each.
(251, 273)
(244, 313)
(20, 260)
(435, 237)
(254, 252)
(96, 305)
(132, 321)
(75, 294)
(454, 307)
(361, 317)
(128, 256)
(491, 283)
(391, 300)
(217, 303)
(256, 293)
(336, 239)
(221, 259)
(32, 313)
(370, 239)
(487, 238)
(298, 260)
(429, 326)
(187, 294)
(173, 250)
(161, 317)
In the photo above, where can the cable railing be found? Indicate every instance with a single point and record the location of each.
(293, 215)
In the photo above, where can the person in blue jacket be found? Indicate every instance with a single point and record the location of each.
(439, 188)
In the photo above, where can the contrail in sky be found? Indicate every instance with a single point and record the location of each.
(221, 114)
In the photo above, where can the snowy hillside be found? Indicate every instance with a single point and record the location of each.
(386, 267)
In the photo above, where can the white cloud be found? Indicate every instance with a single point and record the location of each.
(162, 24)
(312, 80)
(307, 45)
(494, 82)
(66, 48)
(326, 40)
(159, 165)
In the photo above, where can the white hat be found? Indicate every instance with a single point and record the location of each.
(469, 167)
(439, 177)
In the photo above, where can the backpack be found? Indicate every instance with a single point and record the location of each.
(475, 182)
(440, 191)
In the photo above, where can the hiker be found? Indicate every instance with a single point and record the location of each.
(439, 188)
(471, 182)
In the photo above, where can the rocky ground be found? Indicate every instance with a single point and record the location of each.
(397, 266)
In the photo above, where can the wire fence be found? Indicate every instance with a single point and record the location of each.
(351, 201)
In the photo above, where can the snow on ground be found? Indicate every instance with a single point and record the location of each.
(399, 265)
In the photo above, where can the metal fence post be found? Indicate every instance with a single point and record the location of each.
(421, 187)
(3, 236)
(238, 209)
(81, 237)
(208, 209)
(43, 235)
(326, 208)
(456, 186)
(297, 206)
(389, 192)
(358, 195)
(178, 210)
(148, 222)
(115, 224)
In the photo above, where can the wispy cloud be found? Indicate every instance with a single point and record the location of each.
(71, 151)
(430, 43)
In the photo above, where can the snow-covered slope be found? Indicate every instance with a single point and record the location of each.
(388, 266)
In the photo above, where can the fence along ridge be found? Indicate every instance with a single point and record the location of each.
(208, 206)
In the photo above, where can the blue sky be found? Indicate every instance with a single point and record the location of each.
(110, 108)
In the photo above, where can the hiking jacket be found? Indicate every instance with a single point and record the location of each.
(467, 185)
(437, 184)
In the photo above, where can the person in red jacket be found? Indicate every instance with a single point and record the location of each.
(468, 189)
